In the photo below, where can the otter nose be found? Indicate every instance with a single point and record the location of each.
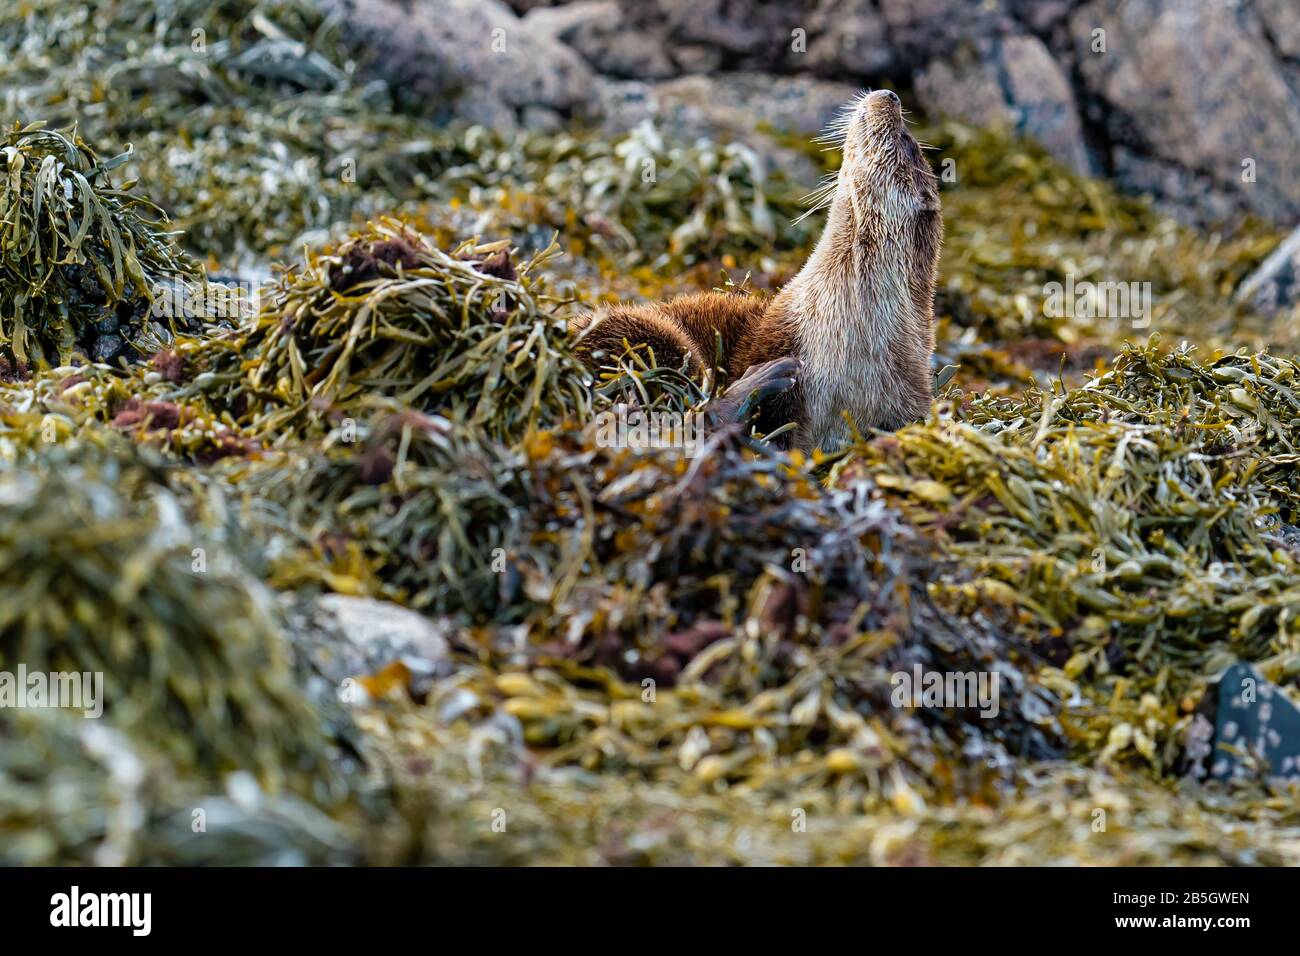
(885, 108)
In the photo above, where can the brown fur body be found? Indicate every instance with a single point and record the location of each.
(858, 316)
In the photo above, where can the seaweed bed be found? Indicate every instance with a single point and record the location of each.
(649, 657)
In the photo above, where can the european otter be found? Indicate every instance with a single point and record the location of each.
(857, 321)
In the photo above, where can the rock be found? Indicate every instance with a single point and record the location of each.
(1256, 730)
(1281, 21)
(871, 40)
(1013, 83)
(926, 30)
(672, 37)
(598, 30)
(472, 59)
(385, 628)
(247, 826)
(1275, 286)
(1196, 86)
(732, 104)
(1041, 17)
(1185, 93)
(338, 637)
(1182, 193)
(107, 348)
(847, 37)
(735, 106)
(723, 34)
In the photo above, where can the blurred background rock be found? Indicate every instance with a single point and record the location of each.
(1169, 97)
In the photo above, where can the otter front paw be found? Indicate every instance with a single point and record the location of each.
(743, 398)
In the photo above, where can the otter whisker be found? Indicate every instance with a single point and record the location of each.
(833, 136)
(837, 129)
(815, 209)
(821, 196)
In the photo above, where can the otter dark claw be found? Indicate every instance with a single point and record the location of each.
(753, 394)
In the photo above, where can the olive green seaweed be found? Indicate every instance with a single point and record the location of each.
(104, 572)
(442, 331)
(73, 248)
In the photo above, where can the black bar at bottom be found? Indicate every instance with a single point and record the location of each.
(335, 906)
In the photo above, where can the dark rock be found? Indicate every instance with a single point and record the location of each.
(84, 285)
(1041, 17)
(723, 32)
(107, 348)
(925, 30)
(1256, 730)
(848, 38)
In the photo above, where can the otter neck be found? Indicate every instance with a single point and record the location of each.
(856, 278)
(856, 324)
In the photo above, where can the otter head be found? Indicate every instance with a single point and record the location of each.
(885, 179)
(885, 200)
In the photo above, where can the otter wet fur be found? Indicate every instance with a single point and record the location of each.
(854, 327)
